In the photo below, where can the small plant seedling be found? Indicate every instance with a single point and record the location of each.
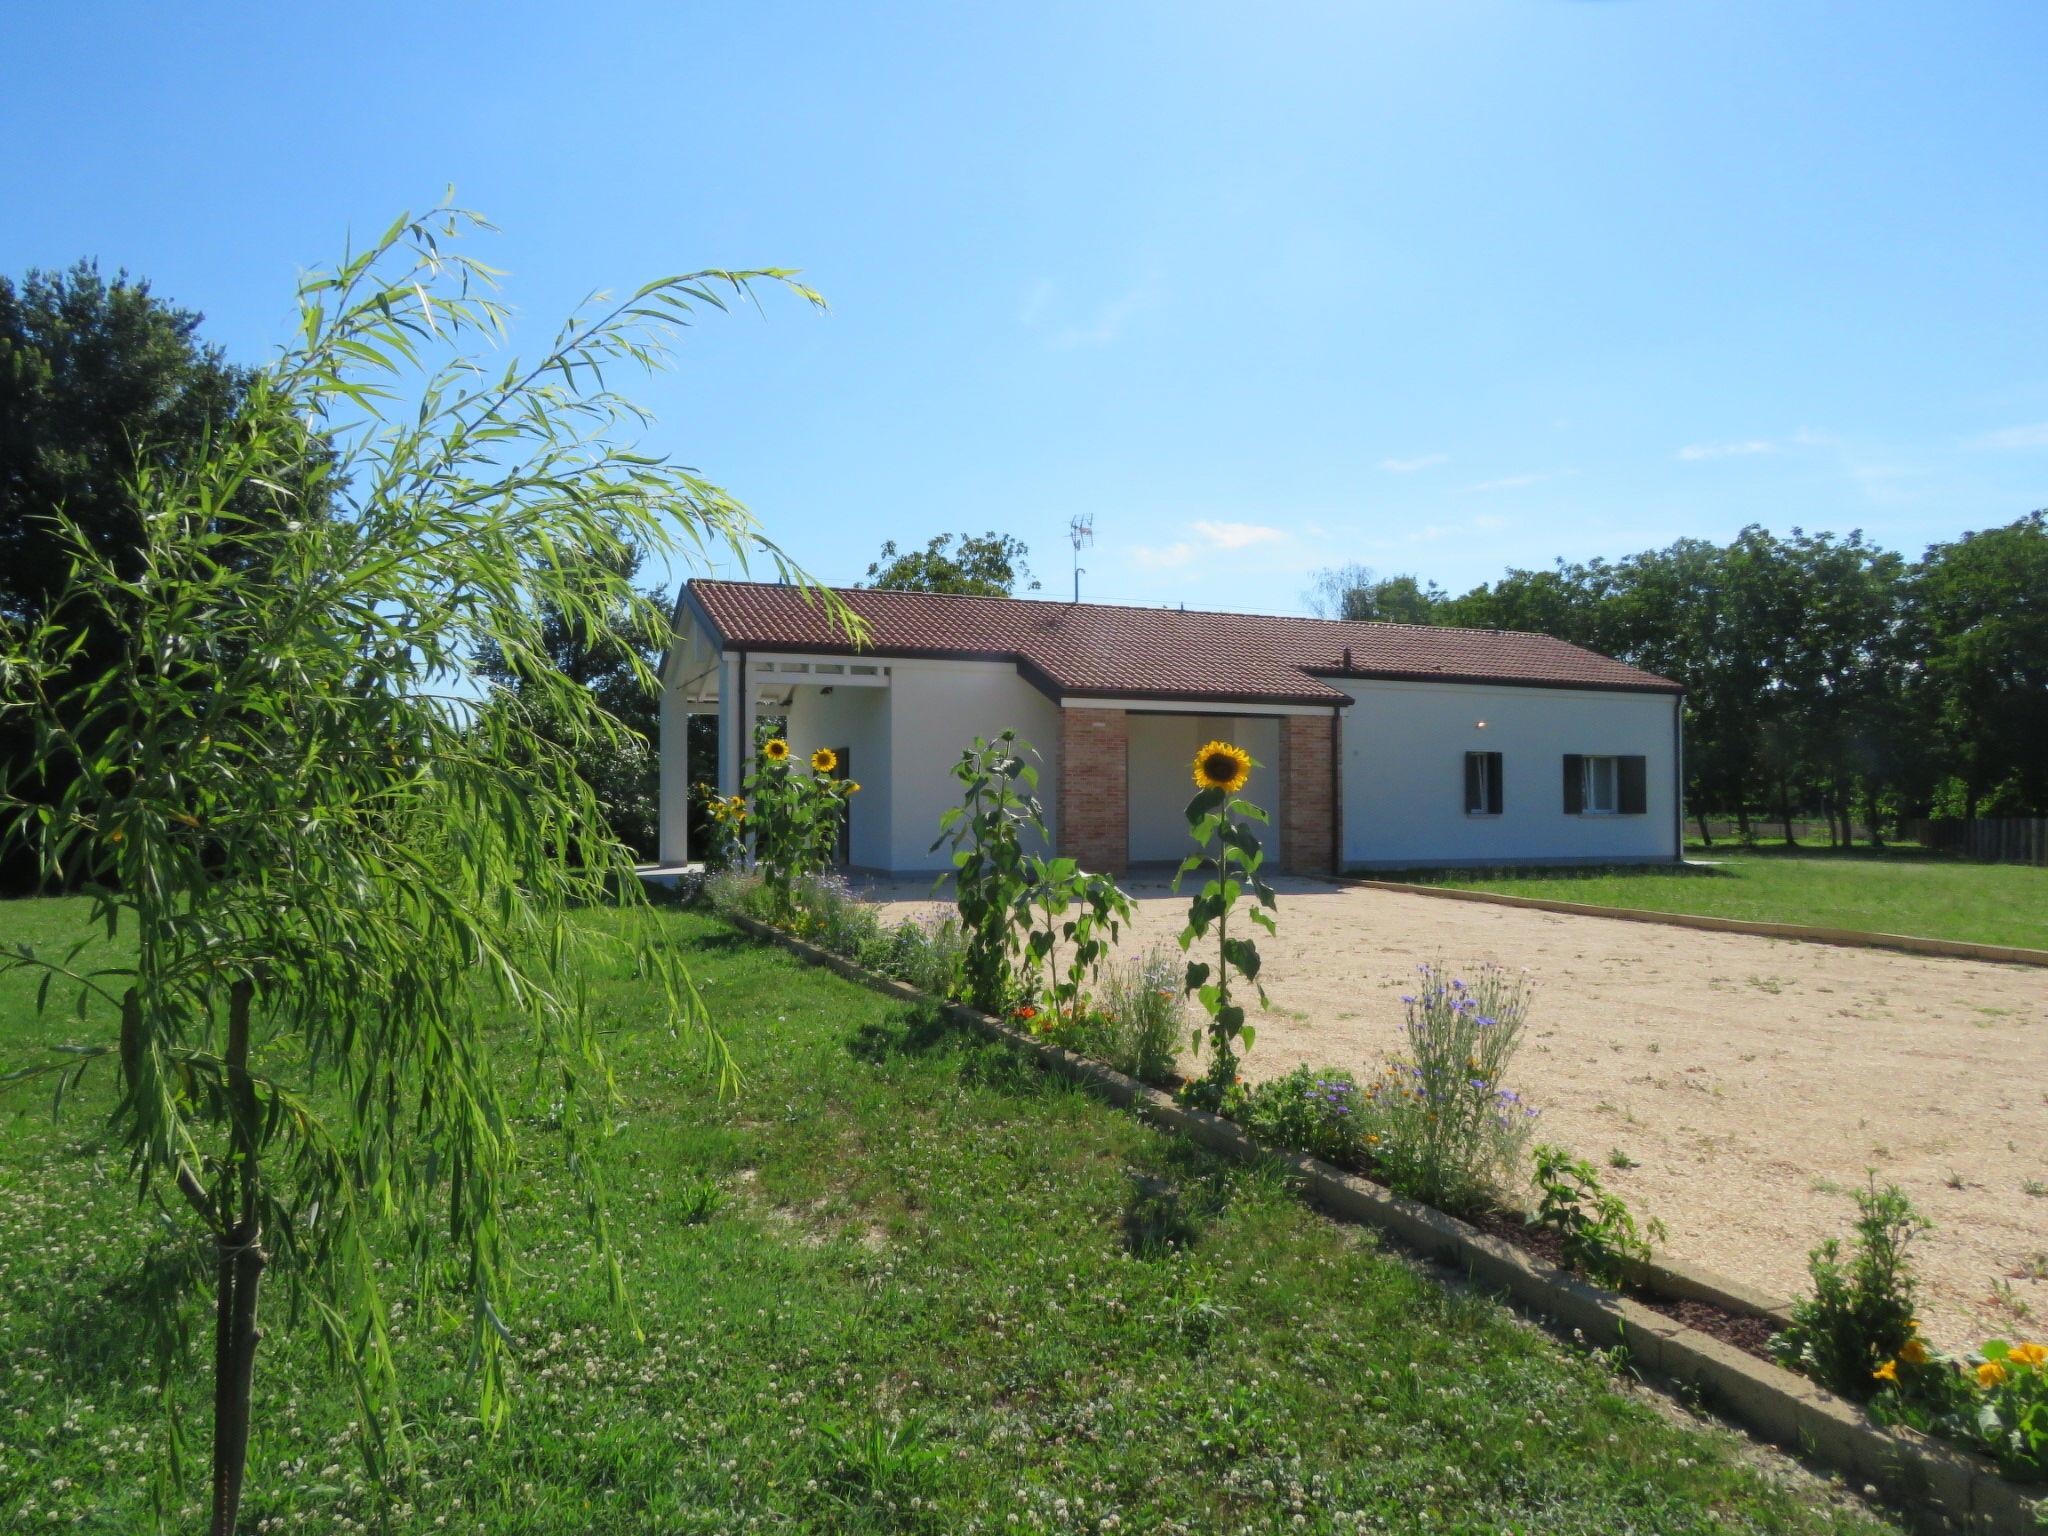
(1616, 1158)
(700, 1201)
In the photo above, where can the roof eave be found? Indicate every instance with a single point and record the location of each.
(1649, 684)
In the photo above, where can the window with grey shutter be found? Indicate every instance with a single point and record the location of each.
(1635, 792)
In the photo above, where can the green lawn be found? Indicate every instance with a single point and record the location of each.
(948, 1293)
(1875, 890)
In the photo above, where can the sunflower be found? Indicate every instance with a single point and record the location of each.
(775, 749)
(1222, 766)
(824, 760)
(851, 786)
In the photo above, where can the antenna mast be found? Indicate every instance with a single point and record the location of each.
(1081, 534)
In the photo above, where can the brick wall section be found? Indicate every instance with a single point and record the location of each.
(1308, 810)
(1094, 798)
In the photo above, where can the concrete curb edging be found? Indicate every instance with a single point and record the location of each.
(1941, 1486)
(1850, 938)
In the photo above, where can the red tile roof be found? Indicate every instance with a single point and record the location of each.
(1105, 651)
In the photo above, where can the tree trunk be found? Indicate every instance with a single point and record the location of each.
(1785, 813)
(1706, 837)
(1873, 817)
(242, 1261)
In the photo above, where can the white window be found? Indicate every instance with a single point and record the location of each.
(1600, 795)
(1482, 784)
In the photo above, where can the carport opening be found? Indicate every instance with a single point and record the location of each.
(1159, 757)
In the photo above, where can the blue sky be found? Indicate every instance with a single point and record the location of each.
(1434, 286)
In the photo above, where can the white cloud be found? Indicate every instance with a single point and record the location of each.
(1410, 466)
(1212, 537)
(1163, 557)
(2035, 436)
(1238, 535)
(1692, 453)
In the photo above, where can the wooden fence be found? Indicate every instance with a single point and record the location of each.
(1996, 840)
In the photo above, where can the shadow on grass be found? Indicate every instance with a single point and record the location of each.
(111, 1333)
(1778, 848)
(722, 941)
(913, 1031)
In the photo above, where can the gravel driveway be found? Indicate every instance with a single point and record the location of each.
(1750, 1081)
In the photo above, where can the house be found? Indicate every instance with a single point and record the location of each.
(1381, 745)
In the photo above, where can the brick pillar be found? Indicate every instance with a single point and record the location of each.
(1093, 812)
(1308, 807)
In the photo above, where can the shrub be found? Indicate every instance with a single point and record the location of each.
(1141, 1000)
(831, 916)
(1859, 1320)
(1440, 1125)
(1320, 1113)
(929, 954)
(735, 891)
(1599, 1235)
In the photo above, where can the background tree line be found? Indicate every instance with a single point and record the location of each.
(1825, 676)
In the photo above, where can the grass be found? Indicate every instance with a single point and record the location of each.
(901, 1282)
(1887, 890)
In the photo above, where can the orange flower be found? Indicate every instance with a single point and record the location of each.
(1915, 1353)
(2028, 1354)
(1990, 1374)
(1889, 1371)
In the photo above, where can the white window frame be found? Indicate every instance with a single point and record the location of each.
(1589, 778)
(1485, 799)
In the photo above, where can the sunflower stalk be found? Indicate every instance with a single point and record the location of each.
(1230, 857)
(796, 817)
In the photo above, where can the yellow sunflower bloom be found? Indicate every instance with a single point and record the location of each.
(775, 749)
(1990, 1374)
(1915, 1353)
(2028, 1354)
(852, 786)
(1889, 1371)
(1219, 765)
(824, 760)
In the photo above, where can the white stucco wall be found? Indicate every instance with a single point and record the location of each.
(856, 719)
(1403, 774)
(1162, 751)
(905, 740)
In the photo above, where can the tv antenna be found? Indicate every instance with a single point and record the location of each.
(1081, 534)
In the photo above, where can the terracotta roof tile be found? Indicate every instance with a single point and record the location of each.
(1161, 653)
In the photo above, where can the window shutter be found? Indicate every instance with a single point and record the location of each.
(1493, 789)
(1633, 789)
(1574, 783)
(1472, 783)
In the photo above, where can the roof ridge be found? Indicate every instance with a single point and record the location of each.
(1210, 613)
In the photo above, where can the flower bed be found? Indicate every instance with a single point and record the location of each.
(1436, 1126)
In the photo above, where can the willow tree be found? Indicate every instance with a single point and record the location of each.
(337, 856)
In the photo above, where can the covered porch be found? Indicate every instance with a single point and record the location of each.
(736, 689)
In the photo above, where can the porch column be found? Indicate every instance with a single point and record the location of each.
(1308, 794)
(674, 745)
(735, 722)
(1094, 778)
